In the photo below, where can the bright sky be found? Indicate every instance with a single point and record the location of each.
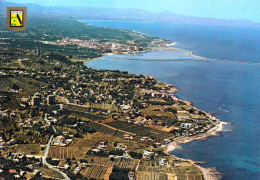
(224, 9)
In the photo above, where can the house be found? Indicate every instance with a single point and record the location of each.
(186, 125)
(35, 122)
(126, 107)
(102, 145)
(17, 176)
(144, 139)
(183, 116)
(77, 169)
(120, 147)
(131, 175)
(58, 140)
(127, 137)
(157, 144)
(13, 171)
(83, 164)
(147, 154)
(126, 157)
(68, 141)
(35, 171)
(163, 162)
(66, 166)
(95, 150)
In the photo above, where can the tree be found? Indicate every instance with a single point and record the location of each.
(15, 87)
(119, 173)
(135, 155)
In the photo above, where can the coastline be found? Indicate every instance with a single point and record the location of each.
(207, 173)
(212, 132)
(161, 48)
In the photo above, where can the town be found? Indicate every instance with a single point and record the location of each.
(107, 47)
(60, 119)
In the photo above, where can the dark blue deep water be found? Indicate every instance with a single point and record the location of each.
(232, 90)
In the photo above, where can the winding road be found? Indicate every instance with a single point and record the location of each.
(47, 152)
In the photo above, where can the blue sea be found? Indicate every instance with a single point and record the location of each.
(232, 90)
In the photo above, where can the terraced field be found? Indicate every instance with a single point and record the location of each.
(141, 131)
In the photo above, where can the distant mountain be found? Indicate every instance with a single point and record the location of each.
(119, 14)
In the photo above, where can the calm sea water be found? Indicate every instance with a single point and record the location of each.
(231, 90)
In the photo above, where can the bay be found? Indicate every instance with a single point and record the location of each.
(229, 89)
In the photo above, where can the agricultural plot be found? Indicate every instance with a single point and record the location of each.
(89, 116)
(83, 143)
(30, 149)
(153, 170)
(106, 129)
(192, 177)
(83, 111)
(125, 163)
(99, 161)
(104, 106)
(106, 162)
(63, 153)
(95, 172)
(98, 166)
(151, 111)
(151, 176)
(91, 140)
(103, 129)
(78, 148)
(141, 131)
(190, 171)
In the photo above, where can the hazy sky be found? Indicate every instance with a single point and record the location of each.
(225, 9)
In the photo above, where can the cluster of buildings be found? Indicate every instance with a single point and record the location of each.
(108, 47)
(37, 99)
(62, 140)
(31, 164)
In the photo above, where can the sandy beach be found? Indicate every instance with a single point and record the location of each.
(212, 132)
(208, 173)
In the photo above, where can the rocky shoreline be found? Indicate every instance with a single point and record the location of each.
(208, 173)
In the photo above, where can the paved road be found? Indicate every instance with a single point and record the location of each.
(48, 122)
(73, 91)
(47, 152)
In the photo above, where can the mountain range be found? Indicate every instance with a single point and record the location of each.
(95, 13)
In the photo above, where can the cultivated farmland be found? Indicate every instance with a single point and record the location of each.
(141, 131)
